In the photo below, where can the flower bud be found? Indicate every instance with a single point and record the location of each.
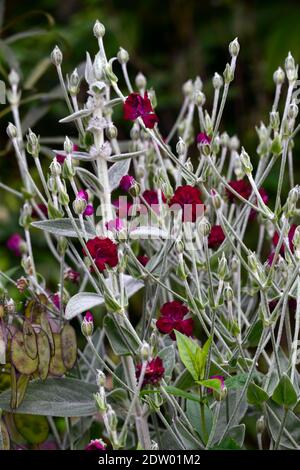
(222, 267)
(123, 56)
(204, 227)
(145, 351)
(234, 264)
(217, 81)
(62, 245)
(253, 262)
(111, 132)
(98, 29)
(246, 163)
(55, 167)
(274, 120)
(11, 131)
(290, 68)
(140, 81)
(188, 88)
(279, 76)
(216, 200)
(228, 74)
(208, 123)
(13, 78)
(87, 325)
(181, 147)
(293, 111)
(179, 246)
(73, 83)
(9, 306)
(79, 205)
(56, 56)
(33, 146)
(234, 143)
(101, 378)
(110, 76)
(221, 395)
(199, 98)
(276, 145)
(234, 48)
(181, 271)
(111, 418)
(135, 189)
(198, 84)
(135, 132)
(260, 424)
(100, 400)
(224, 139)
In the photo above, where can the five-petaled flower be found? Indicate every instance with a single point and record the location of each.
(143, 259)
(154, 371)
(104, 252)
(203, 138)
(172, 317)
(126, 182)
(188, 198)
(242, 187)
(15, 243)
(137, 106)
(216, 236)
(96, 444)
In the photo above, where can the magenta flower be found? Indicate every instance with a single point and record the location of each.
(15, 244)
(89, 317)
(172, 317)
(96, 444)
(154, 372)
(71, 275)
(89, 210)
(56, 300)
(103, 251)
(126, 182)
(82, 194)
(137, 106)
(203, 138)
(188, 198)
(114, 225)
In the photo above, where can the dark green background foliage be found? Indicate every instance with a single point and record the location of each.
(169, 41)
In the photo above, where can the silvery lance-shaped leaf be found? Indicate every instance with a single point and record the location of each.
(84, 156)
(116, 171)
(78, 114)
(84, 301)
(148, 232)
(64, 227)
(61, 397)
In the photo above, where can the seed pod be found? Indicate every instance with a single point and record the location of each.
(4, 435)
(22, 384)
(69, 346)
(19, 357)
(45, 325)
(57, 366)
(34, 429)
(43, 346)
(13, 386)
(29, 340)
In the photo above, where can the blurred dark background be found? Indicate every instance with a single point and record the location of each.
(170, 41)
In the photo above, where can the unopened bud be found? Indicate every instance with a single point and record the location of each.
(181, 147)
(188, 88)
(73, 83)
(217, 81)
(87, 325)
(145, 351)
(33, 146)
(293, 111)
(13, 78)
(260, 425)
(101, 379)
(246, 162)
(204, 227)
(274, 120)
(56, 56)
(222, 267)
(79, 205)
(199, 98)
(100, 400)
(11, 131)
(111, 418)
(55, 167)
(234, 48)
(62, 245)
(98, 29)
(228, 293)
(228, 74)
(140, 81)
(216, 200)
(123, 56)
(111, 132)
(279, 76)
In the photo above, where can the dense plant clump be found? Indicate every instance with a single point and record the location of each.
(210, 361)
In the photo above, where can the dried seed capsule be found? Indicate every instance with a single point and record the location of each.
(69, 346)
(34, 429)
(4, 435)
(22, 384)
(57, 366)
(43, 354)
(19, 357)
(45, 325)
(29, 340)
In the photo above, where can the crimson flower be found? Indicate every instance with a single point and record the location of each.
(43, 209)
(216, 236)
(154, 372)
(188, 198)
(96, 444)
(143, 259)
(203, 138)
(104, 252)
(242, 187)
(151, 197)
(15, 243)
(126, 182)
(172, 318)
(137, 106)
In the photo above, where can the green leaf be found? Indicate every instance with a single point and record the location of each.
(214, 384)
(289, 439)
(167, 355)
(64, 397)
(285, 394)
(64, 227)
(256, 395)
(236, 382)
(194, 416)
(184, 381)
(34, 429)
(181, 393)
(227, 444)
(188, 351)
(120, 338)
